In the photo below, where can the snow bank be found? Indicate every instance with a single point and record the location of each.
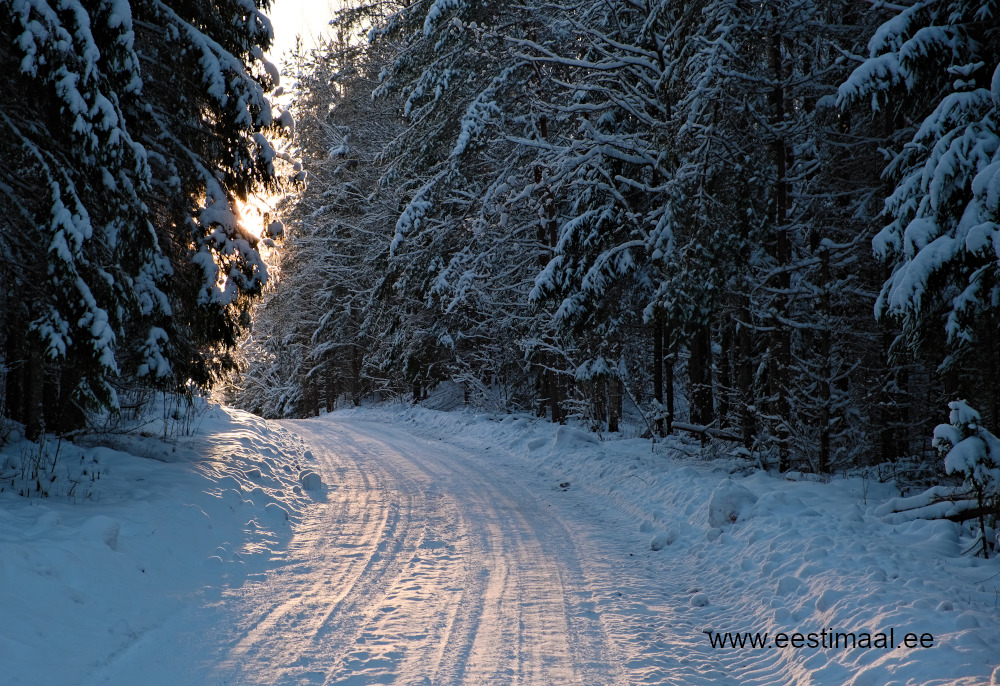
(752, 551)
(129, 536)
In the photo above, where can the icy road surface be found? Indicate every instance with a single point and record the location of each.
(425, 565)
(443, 556)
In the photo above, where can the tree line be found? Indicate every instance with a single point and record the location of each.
(775, 224)
(129, 132)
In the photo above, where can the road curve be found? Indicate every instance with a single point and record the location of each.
(425, 564)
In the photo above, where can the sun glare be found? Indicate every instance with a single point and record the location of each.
(256, 213)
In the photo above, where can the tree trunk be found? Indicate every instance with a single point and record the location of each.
(668, 383)
(725, 376)
(14, 382)
(541, 388)
(614, 404)
(34, 386)
(548, 237)
(331, 387)
(554, 400)
(71, 415)
(658, 368)
(599, 403)
(992, 385)
(745, 378)
(700, 377)
(781, 353)
(826, 371)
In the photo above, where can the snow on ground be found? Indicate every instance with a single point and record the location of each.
(411, 546)
(750, 552)
(126, 539)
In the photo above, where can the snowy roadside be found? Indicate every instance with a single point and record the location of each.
(172, 526)
(760, 553)
(129, 538)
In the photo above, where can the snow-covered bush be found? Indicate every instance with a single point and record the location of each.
(730, 503)
(974, 452)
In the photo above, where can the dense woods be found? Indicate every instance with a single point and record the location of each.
(130, 131)
(771, 224)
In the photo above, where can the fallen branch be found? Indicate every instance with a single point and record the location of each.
(939, 502)
(707, 431)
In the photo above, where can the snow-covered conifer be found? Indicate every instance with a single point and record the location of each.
(130, 131)
(934, 74)
(974, 452)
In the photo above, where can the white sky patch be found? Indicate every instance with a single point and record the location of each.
(290, 18)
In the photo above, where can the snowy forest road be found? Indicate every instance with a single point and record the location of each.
(425, 565)
(430, 561)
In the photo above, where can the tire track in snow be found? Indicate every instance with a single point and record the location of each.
(340, 564)
(452, 577)
(534, 627)
(643, 600)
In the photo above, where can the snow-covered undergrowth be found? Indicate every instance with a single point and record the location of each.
(771, 553)
(130, 536)
(127, 537)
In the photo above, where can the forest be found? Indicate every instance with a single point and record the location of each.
(131, 131)
(513, 343)
(771, 226)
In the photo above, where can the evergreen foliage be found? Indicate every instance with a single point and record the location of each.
(661, 209)
(974, 452)
(130, 130)
(934, 73)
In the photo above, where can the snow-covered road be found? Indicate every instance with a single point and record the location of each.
(425, 565)
(425, 562)
(446, 548)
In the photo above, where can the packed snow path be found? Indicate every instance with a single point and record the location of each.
(421, 563)
(425, 565)
(445, 562)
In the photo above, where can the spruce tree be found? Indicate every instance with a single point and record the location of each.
(128, 134)
(933, 77)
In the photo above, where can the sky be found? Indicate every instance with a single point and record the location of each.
(308, 18)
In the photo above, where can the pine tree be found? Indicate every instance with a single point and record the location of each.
(933, 74)
(974, 452)
(128, 135)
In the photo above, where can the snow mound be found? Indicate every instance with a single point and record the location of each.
(662, 539)
(311, 481)
(568, 438)
(276, 512)
(536, 443)
(729, 503)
